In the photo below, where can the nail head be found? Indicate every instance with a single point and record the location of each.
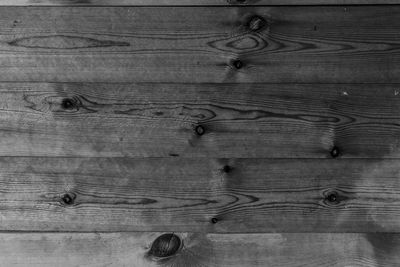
(214, 220)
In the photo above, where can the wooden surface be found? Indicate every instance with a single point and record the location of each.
(159, 194)
(316, 44)
(190, 2)
(159, 120)
(211, 250)
(221, 134)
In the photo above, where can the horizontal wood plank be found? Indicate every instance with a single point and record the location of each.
(190, 2)
(211, 250)
(200, 195)
(285, 44)
(161, 120)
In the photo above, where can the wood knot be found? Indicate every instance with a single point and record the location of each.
(237, 64)
(199, 130)
(332, 197)
(256, 23)
(227, 169)
(68, 103)
(68, 199)
(165, 246)
(214, 220)
(335, 152)
(336, 197)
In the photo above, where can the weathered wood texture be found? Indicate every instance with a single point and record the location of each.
(224, 122)
(190, 2)
(316, 44)
(198, 250)
(251, 195)
(160, 120)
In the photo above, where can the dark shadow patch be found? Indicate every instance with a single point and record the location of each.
(386, 248)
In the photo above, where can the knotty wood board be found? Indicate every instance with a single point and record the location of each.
(159, 194)
(159, 120)
(315, 44)
(211, 250)
(189, 2)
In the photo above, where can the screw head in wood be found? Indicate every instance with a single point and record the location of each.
(214, 220)
(335, 152)
(68, 103)
(165, 245)
(199, 130)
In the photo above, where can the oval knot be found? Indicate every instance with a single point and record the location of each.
(165, 245)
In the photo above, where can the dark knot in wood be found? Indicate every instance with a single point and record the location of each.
(165, 245)
(237, 64)
(214, 220)
(227, 169)
(199, 130)
(336, 197)
(332, 197)
(68, 103)
(256, 23)
(335, 152)
(68, 199)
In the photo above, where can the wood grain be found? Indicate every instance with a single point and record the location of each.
(316, 44)
(160, 120)
(211, 250)
(190, 2)
(199, 195)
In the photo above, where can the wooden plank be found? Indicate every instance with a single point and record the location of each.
(317, 44)
(158, 194)
(190, 2)
(132, 249)
(160, 120)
